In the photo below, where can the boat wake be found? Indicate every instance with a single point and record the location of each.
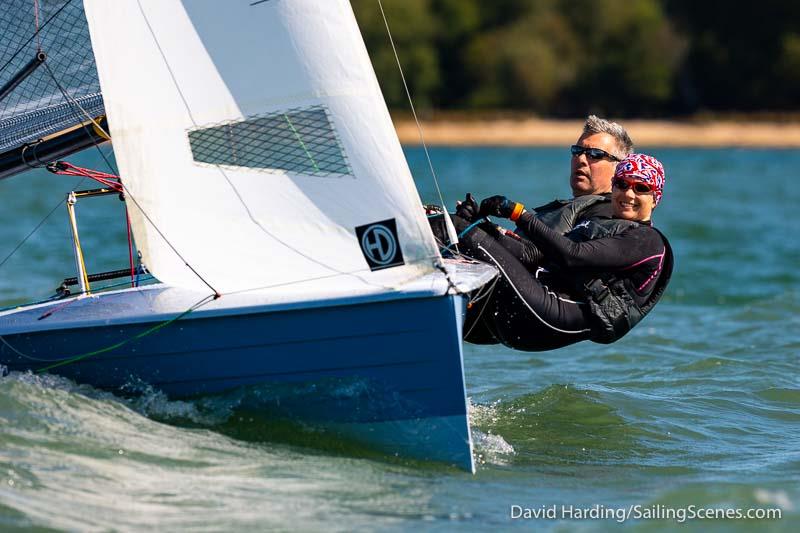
(248, 415)
(490, 447)
(74, 458)
(557, 425)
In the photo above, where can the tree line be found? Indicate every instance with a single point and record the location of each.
(556, 58)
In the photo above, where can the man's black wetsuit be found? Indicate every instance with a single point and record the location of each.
(546, 309)
(563, 215)
(559, 215)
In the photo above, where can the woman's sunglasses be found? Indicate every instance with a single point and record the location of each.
(594, 153)
(639, 187)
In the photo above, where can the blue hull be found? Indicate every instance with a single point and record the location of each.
(385, 373)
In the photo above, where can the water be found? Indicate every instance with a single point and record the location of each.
(699, 405)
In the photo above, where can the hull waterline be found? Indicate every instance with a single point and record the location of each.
(388, 374)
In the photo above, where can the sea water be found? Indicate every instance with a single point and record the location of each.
(696, 410)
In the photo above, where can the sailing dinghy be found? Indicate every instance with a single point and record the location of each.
(267, 193)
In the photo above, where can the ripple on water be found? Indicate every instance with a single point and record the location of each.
(558, 425)
(789, 397)
(80, 459)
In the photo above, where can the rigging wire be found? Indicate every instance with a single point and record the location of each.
(127, 192)
(482, 293)
(36, 21)
(61, 202)
(109, 180)
(35, 35)
(81, 357)
(448, 223)
(95, 123)
(236, 191)
(73, 103)
(38, 226)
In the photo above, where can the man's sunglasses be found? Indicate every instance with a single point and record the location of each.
(639, 187)
(594, 153)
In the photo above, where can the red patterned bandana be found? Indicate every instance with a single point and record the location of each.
(644, 168)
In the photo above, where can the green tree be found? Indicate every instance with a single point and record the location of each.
(459, 21)
(742, 56)
(414, 28)
(630, 56)
(570, 57)
(527, 63)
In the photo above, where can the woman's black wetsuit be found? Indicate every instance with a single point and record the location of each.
(536, 309)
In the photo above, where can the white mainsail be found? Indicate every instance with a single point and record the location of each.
(253, 139)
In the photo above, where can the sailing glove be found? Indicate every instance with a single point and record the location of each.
(500, 206)
(468, 209)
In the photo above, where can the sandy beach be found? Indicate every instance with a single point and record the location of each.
(541, 132)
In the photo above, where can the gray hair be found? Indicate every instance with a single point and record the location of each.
(595, 124)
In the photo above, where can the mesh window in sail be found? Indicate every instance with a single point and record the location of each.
(297, 140)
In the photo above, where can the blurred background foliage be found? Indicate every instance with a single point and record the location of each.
(565, 58)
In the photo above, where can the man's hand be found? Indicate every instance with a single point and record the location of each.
(468, 209)
(500, 206)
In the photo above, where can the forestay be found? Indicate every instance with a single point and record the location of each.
(253, 135)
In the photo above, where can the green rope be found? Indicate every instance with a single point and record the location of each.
(297, 134)
(126, 341)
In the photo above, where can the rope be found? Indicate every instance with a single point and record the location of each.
(74, 103)
(447, 222)
(36, 228)
(411, 103)
(63, 168)
(236, 191)
(125, 189)
(109, 180)
(141, 335)
(464, 232)
(478, 297)
(36, 23)
(471, 226)
(36, 34)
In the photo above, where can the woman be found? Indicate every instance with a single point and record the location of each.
(596, 282)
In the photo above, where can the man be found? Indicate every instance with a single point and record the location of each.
(594, 158)
(595, 155)
(594, 283)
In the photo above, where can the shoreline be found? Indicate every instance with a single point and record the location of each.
(546, 132)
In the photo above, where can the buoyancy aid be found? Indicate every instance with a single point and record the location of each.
(561, 215)
(610, 298)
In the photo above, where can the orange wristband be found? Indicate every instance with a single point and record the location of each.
(518, 209)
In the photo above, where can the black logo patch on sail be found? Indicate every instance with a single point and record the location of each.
(380, 245)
